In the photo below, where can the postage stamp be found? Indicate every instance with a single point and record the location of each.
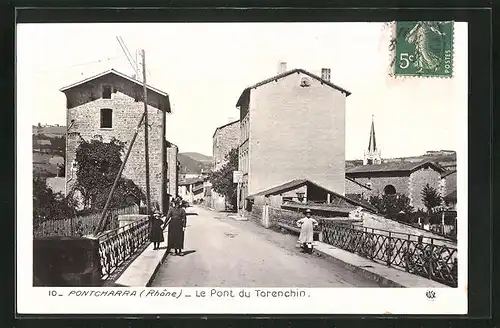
(262, 169)
(423, 48)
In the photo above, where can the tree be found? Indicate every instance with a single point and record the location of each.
(392, 205)
(48, 205)
(98, 164)
(222, 180)
(430, 198)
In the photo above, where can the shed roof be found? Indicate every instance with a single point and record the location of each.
(121, 75)
(447, 173)
(294, 184)
(394, 167)
(358, 183)
(282, 75)
(189, 181)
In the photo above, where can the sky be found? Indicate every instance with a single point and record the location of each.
(204, 67)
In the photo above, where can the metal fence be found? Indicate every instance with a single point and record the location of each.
(434, 259)
(80, 225)
(118, 245)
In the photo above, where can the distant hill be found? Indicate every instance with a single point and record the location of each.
(198, 157)
(194, 162)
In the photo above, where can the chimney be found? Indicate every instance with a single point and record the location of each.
(325, 74)
(282, 67)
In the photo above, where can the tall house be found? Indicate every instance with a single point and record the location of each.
(172, 169)
(373, 154)
(110, 105)
(292, 127)
(225, 138)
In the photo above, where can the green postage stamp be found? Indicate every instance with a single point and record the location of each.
(423, 49)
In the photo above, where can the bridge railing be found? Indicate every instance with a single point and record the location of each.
(118, 245)
(434, 260)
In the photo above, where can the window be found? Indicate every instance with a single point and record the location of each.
(106, 92)
(389, 190)
(106, 118)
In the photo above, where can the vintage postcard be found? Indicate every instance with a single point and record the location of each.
(243, 168)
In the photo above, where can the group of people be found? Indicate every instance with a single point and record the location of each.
(176, 221)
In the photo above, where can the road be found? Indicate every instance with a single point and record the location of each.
(224, 252)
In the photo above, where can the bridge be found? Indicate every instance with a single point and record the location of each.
(224, 252)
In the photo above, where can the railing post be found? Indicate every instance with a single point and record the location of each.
(388, 249)
(431, 255)
(407, 254)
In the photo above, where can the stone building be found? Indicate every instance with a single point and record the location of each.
(448, 188)
(391, 178)
(172, 169)
(225, 138)
(110, 105)
(292, 127)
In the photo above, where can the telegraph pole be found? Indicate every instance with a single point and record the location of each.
(146, 132)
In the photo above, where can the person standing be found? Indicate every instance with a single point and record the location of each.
(176, 220)
(156, 232)
(306, 226)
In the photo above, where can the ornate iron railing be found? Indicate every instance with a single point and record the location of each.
(435, 260)
(118, 245)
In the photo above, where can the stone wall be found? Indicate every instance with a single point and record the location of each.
(126, 115)
(354, 188)
(378, 183)
(296, 132)
(418, 180)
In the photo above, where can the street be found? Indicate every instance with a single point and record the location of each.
(223, 252)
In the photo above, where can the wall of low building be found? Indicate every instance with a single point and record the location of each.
(354, 188)
(418, 180)
(380, 222)
(379, 182)
(296, 132)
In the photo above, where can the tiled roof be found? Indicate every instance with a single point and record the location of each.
(452, 195)
(281, 188)
(447, 173)
(359, 184)
(114, 72)
(394, 167)
(298, 183)
(282, 75)
(189, 181)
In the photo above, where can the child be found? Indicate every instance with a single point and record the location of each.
(306, 226)
(156, 233)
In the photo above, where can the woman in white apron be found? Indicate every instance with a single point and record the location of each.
(306, 226)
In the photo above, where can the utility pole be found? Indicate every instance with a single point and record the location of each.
(146, 132)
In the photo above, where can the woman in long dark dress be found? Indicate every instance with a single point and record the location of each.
(156, 233)
(176, 227)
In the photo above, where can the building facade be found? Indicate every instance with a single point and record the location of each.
(191, 189)
(395, 178)
(225, 138)
(292, 127)
(110, 105)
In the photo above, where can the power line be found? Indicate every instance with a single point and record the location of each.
(81, 64)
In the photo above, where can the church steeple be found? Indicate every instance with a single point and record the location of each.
(372, 156)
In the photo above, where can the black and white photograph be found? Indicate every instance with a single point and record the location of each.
(242, 167)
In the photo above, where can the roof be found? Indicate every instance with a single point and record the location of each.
(282, 75)
(356, 182)
(223, 126)
(189, 181)
(394, 167)
(294, 184)
(115, 72)
(452, 195)
(447, 173)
